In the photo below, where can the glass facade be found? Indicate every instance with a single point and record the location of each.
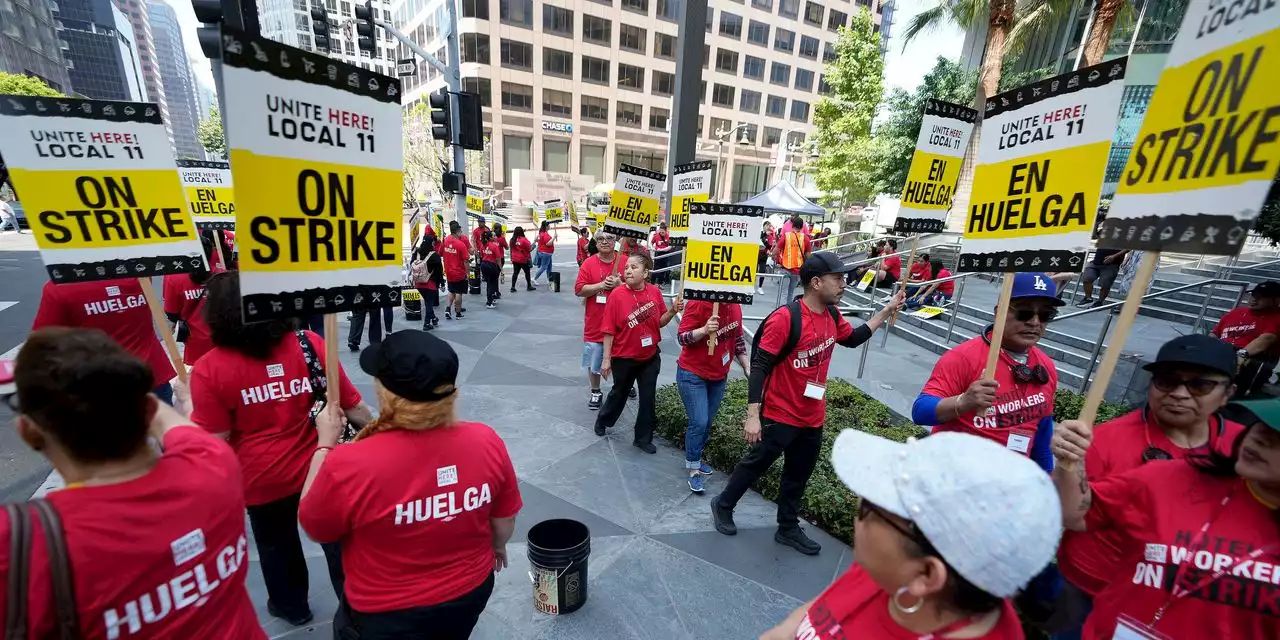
(179, 82)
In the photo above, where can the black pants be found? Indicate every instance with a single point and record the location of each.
(313, 323)
(1254, 373)
(516, 268)
(375, 325)
(489, 273)
(628, 372)
(452, 620)
(284, 568)
(800, 445)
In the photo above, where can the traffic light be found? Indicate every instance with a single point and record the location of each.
(441, 116)
(365, 27)
(320, 28)
(471, 134)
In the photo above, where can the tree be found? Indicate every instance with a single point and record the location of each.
(842, 118)
(209, 133)
(1268, 222)
(424, 159)
(20, 85)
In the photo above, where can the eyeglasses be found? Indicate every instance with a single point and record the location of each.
(1023, 374)
(865, 508)
(1195, 386)
(1025, 315)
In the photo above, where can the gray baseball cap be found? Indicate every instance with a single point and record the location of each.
(992, 514)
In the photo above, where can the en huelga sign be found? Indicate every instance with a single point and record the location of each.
(721, 253)
(935, 167)
(209, 193)
(633, 204)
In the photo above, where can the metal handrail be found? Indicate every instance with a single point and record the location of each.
(859, 263)
(1158, 294)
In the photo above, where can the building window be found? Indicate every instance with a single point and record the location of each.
(767, 5)
(595, 109)
(664, 84)
(639, 6)
(813, 13)
(722, 95)
(659, 118)
(721, 127)
(591, 162)
(630, 115)
(784, 40)
(475, 47)
(799, 110)
(595, 70)
(557, 21)
(780, 74)
(795, 138)
(516, 12)
(789, 8)
(730, 25)
(518, 97)
(517, 153)
(557, 103)
(749, 101)
(753, 67)
(829, 52)
(557, 63)
(775, 106)
(555, 155)
(727, 61)
(630, 77)
(808, 47)
(669, 9)
(772, 136)
(632, 38)
(597, 30)
(837, 19)
(515, 55)
(480, 86)
(475, 9)
(664, 46)
(823, 87)
(804, 79)
(758, 33)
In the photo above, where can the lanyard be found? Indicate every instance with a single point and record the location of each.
(951, 628)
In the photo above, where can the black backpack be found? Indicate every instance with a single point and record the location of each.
(793, 334)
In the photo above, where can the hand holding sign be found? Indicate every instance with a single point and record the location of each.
(1071, 439)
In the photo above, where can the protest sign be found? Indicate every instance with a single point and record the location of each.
(207, 186)
(927, 312)
(596, 216)
(318, 180)
(552, 211)
(437, 223)
(1039, 172)
(690, 182)
(633, 204)
(1207, 151)
(573, 214)
(721, 252)
(475, 200)
(935, 167)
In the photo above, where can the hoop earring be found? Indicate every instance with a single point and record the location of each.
(901, 609)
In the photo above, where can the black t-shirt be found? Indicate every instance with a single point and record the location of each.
(1103, 254)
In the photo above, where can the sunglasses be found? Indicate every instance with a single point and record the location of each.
(1023, 374)
(1195, 386)
(865, 509)
(1025, 315)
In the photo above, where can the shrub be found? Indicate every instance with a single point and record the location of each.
(1067, 405)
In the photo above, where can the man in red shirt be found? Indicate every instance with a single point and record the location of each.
(455, 251)
(1252, 330)
(597, 276)
(117, 307)
(481, 227)
(789, 365)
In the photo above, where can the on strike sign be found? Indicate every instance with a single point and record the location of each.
(935, 167)
(316, 154)
(209, 193)
(553, 211)
(1208, 149)
(1039, 171)
(633, 204)
(100, 187)
(720, 255)
(690, 182)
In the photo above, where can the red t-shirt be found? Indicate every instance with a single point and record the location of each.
(594, 271)
(263, 405)
(693, 357)
(919, 270)
(1087, 558)
(545, 243)
(632, 318)
(1156, 512)
(412, 537)
(661, 241)
(502, 242)
(948, 287)
(454, 251)
(476, 233)
(1014, 419)
(893, 265)
(492, 252)
(161, 556)
(118, 307)
(185, 298)
(854, 606)
(808, 363)
(1241, 325)
(520, 250)
(582, 250)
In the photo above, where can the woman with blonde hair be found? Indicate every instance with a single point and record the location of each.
(422, 504)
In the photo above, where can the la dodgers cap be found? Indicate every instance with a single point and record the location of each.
(1034, 284)
(1196, 350)
(992, 514)
(412, 364)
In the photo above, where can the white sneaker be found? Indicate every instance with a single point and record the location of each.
(760, 290)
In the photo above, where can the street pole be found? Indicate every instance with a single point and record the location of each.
(684, 124)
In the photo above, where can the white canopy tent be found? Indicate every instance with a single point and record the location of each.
(785, 199)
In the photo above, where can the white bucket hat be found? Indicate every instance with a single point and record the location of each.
(992, 514)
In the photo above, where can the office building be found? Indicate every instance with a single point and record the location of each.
(289, 22)
(575, 88)
(101, 50)
(179, 82)
(30, 43)
(136, 10)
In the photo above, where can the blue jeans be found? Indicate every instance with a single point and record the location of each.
(543, 262)
(935, 299)
(701, 401)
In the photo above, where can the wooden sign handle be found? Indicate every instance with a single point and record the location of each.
(333, 386)
(217, 246)
(162, 323)
(711, 339)
(902, 282)
(1129, 311)
(997, 332)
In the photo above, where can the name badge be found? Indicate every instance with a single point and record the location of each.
(646, 341)
(814, 390)
(1129, 629)
(1019, 441)
(724, 360)
(601, 298)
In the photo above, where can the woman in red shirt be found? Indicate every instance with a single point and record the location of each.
(937, 294)
(584, 239)
(767, 240)
(1252, 330)
(949, 528)
(546, 249)
(702, 371)
(521, 250)
(491, 259)
(184, 305)
(155, 541)
(422, 504)
(634, 316)
(256, 388)
(660, 243)
(499, 236)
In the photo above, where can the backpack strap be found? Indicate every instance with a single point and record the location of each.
(793, 331)
(64, 596)
(15, 622)
(835, 313)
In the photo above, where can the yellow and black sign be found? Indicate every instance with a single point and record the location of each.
(553, 211)
(633, 205)
(690, 183)
(100, 188)
(209, 193)
(475, 200)
(721, 253)
(573, 213)
(935, 167)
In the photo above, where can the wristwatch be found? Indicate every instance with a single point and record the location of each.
(1243, 353)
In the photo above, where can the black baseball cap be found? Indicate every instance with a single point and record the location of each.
(1268, 289)
(820, 263)
(1196, 350)
(412, 364)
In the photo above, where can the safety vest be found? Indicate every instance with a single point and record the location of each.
(793, 250)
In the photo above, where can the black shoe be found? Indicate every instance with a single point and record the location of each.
(795, 538)
(513, 289)
(296, 620)
(435, 322)
(646, 447)
(632, 393)
(353, 347)
(596, 398)
(490, 306)
(530, 288)
(426, 326)
(1099, 303)
(723, 518)
(448, 315)
(459, 315)
(1084, 302)
(599, 431)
